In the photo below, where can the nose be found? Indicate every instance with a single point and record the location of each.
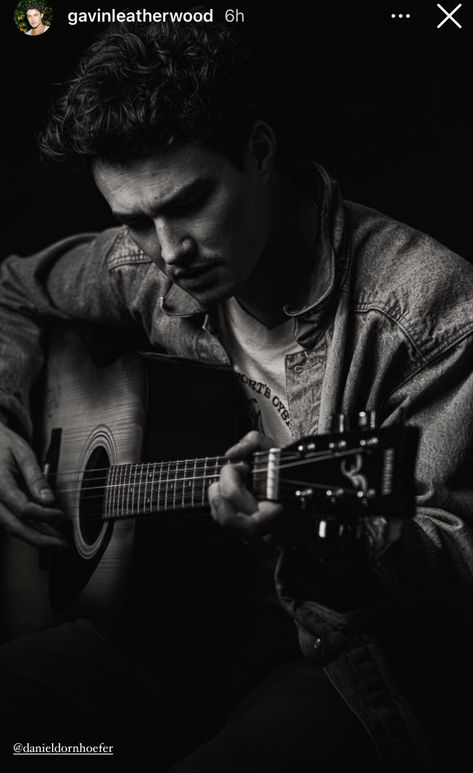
(176, 247)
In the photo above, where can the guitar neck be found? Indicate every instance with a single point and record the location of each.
(132, 490)
(343, 477)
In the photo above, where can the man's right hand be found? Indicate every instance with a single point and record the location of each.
(26, 501)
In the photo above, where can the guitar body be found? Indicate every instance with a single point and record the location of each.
(130, 450)
(140, 408)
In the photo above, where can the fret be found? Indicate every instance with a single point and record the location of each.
(185, 484)
(109, 491)
(181, 482)
(106, 508)
(121, 490)
(140, 488)
(134, 486)
(177, 484)
(187, 498)
(124, 488)
(145, 507)
(187, 487)
(145, 490)
(151, 502)
(204, 480)
(125, 491)
(219, 462)
(158, 490)
(150, 487)
(190, 473)
(173, 483)
(151, 466)
(138, 484)
(194, 476)
(129, 491)
(195, 493)
(166, 487)
(117, 491)
(113, 497)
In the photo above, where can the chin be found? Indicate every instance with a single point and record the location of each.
(211, 293)
(210, 296)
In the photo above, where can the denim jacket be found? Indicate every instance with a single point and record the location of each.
(387, 326)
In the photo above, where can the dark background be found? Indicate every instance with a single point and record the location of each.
(384, 104)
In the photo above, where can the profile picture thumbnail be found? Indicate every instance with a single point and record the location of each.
(33, 18)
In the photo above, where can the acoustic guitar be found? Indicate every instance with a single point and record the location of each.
(130, 450)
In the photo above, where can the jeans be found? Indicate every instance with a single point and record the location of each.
(180, 707)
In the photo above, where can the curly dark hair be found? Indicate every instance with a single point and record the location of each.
(35, 7)
(144, 87)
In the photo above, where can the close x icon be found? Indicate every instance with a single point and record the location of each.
(449, 16)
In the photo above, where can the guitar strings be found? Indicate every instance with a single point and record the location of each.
(154, 505)
(203, 461)
(184, 490)
(178, 495)
(169, 480)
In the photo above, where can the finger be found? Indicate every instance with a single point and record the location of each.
(27, 532)
(37, 512)
(247, 527)
(213, 494)
(251, 442)
(34, 478)
(18, 503)
(268, 519)
(233, 489)
(225, 514)
(12, 497)
(45, 528)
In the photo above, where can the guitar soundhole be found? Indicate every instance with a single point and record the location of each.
(92, 496)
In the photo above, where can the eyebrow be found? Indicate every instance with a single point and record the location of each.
(181, 197)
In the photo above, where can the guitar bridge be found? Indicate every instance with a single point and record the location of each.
(266, 474)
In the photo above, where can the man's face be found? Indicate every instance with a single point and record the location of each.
(201, 219)
(34, 17)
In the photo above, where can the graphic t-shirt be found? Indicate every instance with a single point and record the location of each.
(257, 354)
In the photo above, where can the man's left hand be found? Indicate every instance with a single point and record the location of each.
(233, 506)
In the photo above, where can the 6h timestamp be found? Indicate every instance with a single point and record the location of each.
(233, 14)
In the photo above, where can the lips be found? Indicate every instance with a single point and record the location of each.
(189, 273)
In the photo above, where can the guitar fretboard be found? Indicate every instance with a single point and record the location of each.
(141, 489)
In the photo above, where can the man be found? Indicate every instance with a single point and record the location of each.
(35, 15)
(230, 254)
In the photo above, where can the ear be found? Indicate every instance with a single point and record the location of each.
(262, 148)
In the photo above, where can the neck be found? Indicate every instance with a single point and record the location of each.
(282, 273)
(130, 490)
